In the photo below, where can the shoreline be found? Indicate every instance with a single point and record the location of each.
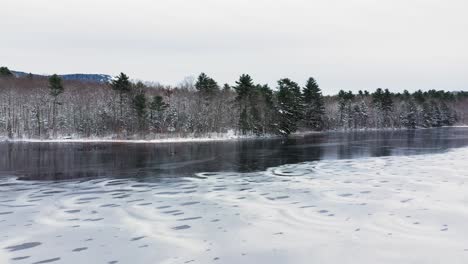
(219, 137)
(172, 140)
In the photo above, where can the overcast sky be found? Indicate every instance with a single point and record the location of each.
(344, 44)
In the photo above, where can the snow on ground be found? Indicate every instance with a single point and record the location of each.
(398, 209)
(174, 138)
(228, 136)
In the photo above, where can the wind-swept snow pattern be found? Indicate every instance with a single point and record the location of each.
(397, 209)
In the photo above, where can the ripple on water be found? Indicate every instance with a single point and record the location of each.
(79, 249)
(47, 261)
(245, 210)
(182, 227)
(23, 246)
(21, 258)
(6, 213)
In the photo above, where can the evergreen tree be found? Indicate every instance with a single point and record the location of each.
(387, 101)
(157, 110)
(314, 106)
(409, 118)
(243, 121)
(5, 72)
(55, 85)
(122, 85)
(267, 94)
(245, 89)
(356, 116)
(55, 89)
(139, 104)
(268, 107)
(363, 115)
(290, 106)
(377, 97)
(406, 95)
(436, 118)
(158, 105)
(387, 107)
(206, 88)
(256, 120)
(448, 116)
(206, 85)
(426, 115)
(342, 107)
(345, 100)
(259, 105)
(419, 96)
(384, 102)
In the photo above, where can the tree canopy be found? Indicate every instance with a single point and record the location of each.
(5, 72)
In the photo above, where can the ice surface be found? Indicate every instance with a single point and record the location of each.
(399, 209)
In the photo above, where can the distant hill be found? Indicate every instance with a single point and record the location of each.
(100, 78)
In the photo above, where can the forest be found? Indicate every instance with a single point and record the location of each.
(35, 107)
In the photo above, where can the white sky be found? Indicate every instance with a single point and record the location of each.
(344, 44)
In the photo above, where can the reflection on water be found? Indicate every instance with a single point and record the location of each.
(149, 162)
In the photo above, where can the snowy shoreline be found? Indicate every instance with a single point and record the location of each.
(211, 137)
(215, 137)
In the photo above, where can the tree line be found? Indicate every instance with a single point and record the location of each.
(39, 107)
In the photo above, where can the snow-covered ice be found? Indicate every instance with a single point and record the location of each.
(397, 209)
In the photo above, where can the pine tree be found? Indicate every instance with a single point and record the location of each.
(377, 97)
(157, 110)
(206, 85)
(426, 114)
(436, 120)
(383, 101)
(406, 95)
(290, 106)
(267, 96)
(5, 72)
(55, 85)
(139, 104)
(256, 120)
(244, 126)
(122, 85)
(363, 114)
(55, 89)
(448, 116)
(409, 118)
(245, 89)
(387, 107)
(314, 106)
(345, 100)
(419, 96)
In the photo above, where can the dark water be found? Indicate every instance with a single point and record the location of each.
(150, 162)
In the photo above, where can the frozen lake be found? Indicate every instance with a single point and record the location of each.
(333, 198)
